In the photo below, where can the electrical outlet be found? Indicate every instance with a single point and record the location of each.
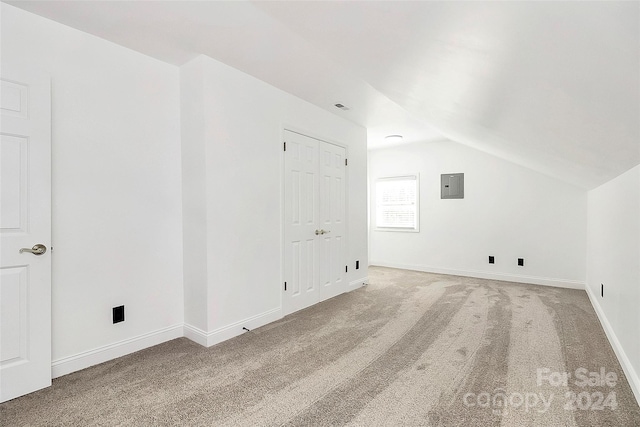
(521, 262)
(118, 314)
(492, 260)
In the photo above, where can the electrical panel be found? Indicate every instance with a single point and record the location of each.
(452, 186)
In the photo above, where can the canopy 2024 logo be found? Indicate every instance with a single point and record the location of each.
(582, 377)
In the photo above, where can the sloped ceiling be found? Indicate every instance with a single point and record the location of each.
(553, 86)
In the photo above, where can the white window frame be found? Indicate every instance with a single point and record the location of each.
(416, 178)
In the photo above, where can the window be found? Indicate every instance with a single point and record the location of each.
(397, 200)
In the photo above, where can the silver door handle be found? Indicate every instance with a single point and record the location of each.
(38, 249)
(322, 232)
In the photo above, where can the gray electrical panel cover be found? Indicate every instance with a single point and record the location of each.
(452, 186)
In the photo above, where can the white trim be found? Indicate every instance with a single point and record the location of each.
(356, 284)
(534, 280)
(286, 126)
(627, 367)
(83, 360)
(207, 339)
(195, 334)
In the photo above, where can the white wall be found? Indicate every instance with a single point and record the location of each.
(508, 211)
(613, 259)
(194, 195)
(118, 178)
(242, 130)
(117, 227)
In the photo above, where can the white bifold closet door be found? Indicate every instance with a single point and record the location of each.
(314, 221)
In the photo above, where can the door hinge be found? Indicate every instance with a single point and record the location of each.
(346, 268)
(346, 162)
(285, 146)
(285, 286)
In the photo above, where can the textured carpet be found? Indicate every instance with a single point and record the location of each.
(411, 349)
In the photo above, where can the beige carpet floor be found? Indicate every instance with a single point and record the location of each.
(410, 349)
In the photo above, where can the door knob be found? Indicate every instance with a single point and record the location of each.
(38, 249)
(322, 232)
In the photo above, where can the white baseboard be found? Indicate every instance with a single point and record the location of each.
(207, 339)
(534, 280)
(196, 335)
(627, 367)
(356, 284)
(89, 358)
(79, 361)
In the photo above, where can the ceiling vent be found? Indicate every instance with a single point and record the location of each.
(342, 107)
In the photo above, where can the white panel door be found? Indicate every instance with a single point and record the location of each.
(301, 222)
(332, 220)
(25, 221)
(314, 221)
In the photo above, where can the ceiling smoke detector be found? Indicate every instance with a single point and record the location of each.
(393, 138)
(342, 107)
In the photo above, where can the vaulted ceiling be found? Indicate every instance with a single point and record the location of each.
(553, 86)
